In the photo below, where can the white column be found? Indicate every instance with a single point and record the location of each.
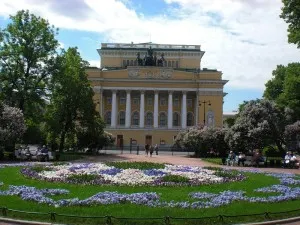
(197, 109)
(114, 109)
(128, 109)
(142, 109)
(170, 110)
(183, 110)
(155, 113)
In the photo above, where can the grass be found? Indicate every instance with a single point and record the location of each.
(12, 176)
(217, 161)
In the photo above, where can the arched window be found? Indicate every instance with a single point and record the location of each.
(149, 119)
(135, 119)
(107, 118)
(176, 119)
(162, 119)
(122, 118)
(189, 119)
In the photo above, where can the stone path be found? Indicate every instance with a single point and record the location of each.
(177, 160)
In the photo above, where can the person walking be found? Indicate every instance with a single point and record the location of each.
(156, 149)
(151, 150)
(146, 149)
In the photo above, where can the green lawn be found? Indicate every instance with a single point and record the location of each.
(12, 176)
(217, 161)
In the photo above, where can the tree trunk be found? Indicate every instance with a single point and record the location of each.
(62, 141)
(279, 146)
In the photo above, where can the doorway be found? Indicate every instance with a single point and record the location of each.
(120, 141)
(148, 140)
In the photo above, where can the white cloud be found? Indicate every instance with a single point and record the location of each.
(245, 39)
(94, 63)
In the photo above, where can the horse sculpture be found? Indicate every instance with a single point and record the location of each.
(160, 62)
(149, 59)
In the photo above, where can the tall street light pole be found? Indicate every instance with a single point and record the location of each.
(204, 103)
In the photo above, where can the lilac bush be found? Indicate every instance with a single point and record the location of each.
(12, 124)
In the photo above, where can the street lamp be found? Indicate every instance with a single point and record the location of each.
(204, 103)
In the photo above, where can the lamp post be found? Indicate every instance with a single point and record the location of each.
(204, 103)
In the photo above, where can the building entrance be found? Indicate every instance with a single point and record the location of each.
(120, 141)
(148, 140)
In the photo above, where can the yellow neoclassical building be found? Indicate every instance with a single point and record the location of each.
(147, 93)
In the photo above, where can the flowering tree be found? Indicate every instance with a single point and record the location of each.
(292, 135)
(260, 123)
(201, 139)
(12, 125)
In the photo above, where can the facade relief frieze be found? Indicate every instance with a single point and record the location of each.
(149, 73)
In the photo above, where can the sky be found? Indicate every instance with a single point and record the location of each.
(245, 39)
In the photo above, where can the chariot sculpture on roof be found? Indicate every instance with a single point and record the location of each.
(150, 59)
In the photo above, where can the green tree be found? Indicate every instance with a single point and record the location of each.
(284, 88)
(27, 56)
(261, 123)
(291, 15)
(72, 107)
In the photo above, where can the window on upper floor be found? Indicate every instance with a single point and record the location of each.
(176, 119)
(122, 118)
(149, 119)
(107, 118)
(149, 101)
(189, 102)
(176, 101)
(189, 119)
(108, 100)
(162, 119)
(163, 101)
(135, 119)
(136, 101)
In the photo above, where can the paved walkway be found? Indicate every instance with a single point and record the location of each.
(175, 159)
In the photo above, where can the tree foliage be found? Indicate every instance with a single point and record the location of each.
(27, 56)
(284, 88)
(291, 15)
(292, 135)
(260, 123)
(72, 108)
(202, 139)
(12, 125)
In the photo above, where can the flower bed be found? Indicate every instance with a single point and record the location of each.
(152, 199)
(104, 174)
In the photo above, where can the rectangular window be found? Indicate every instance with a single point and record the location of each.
(189, 102)
(163, 101)
(108, 100)
(122, 100)
(136, 101)
(176, 102)
(149, 101)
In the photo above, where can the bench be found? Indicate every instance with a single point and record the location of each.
(249, 162)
